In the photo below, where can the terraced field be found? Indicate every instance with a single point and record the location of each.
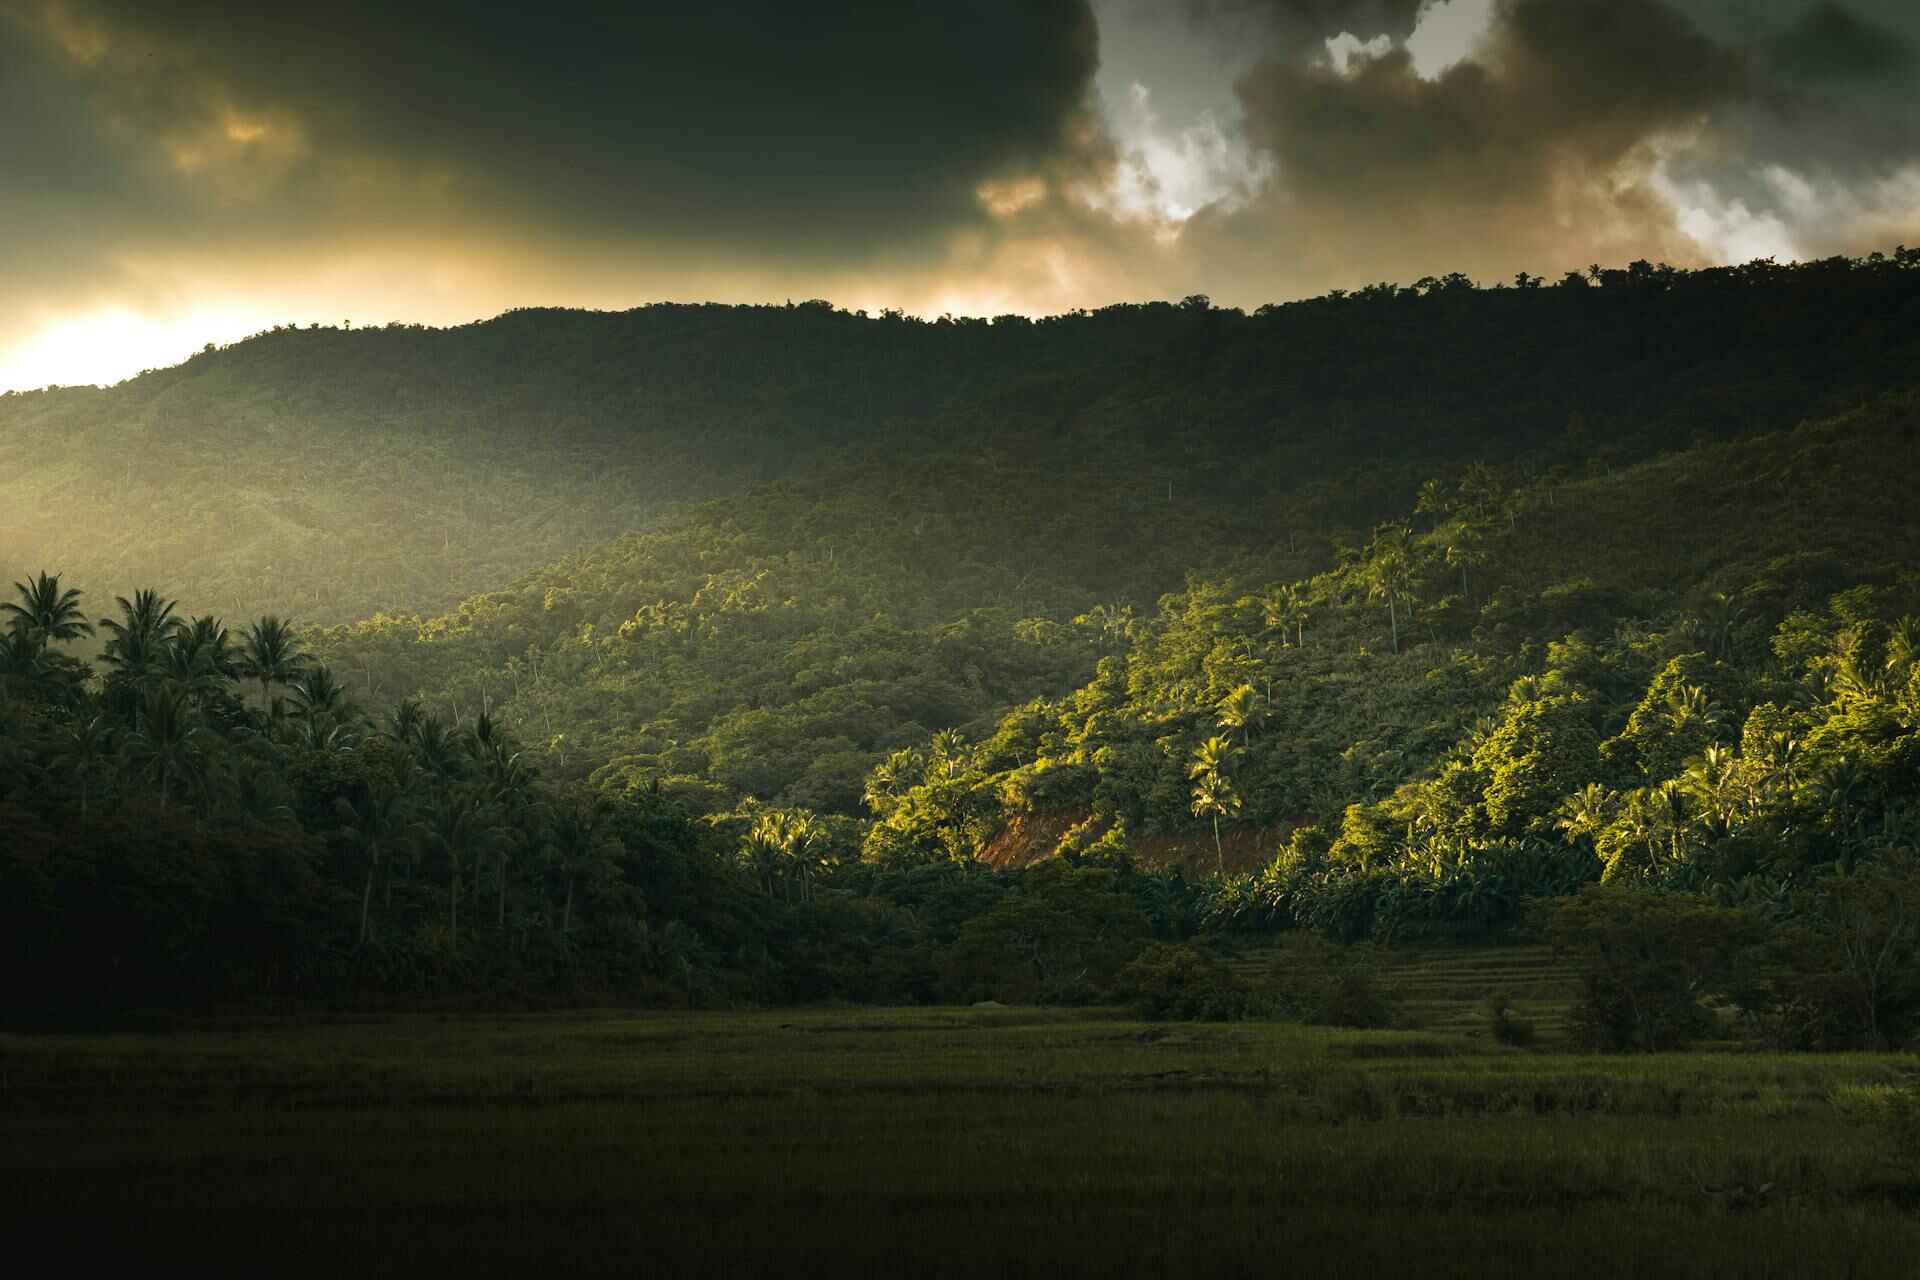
(1448, 989)
(955, 1141)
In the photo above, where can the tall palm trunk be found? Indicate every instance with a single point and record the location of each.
(366, 895)
(1219, 853)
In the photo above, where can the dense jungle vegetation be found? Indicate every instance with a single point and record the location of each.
(872, 659)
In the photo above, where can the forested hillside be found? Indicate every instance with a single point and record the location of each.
(334, 473)
(1374, 615)
(1459, 680)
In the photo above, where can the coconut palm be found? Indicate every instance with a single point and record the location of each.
(198, 659)
(458, 826)
(436, 748)
(1214, 797)
(508, 783)
(1287, 609)
(23, 659)
(141, 634)
(317, 696)
(1586, 813)
(1215, 755)
(46, 611)
(403, 722)
(1389, 577)
(1239, 712)
(270, 653)
(379, 818)
(948, 751)
(166, 740)
(890, 777)
(81, 749)
(760, 849)
(578, 841)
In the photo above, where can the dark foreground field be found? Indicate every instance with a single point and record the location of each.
(945, 1140)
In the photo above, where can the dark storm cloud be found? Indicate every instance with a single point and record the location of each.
(1301, 28)
(811, 133)
(1578, 131)
(1829, 44)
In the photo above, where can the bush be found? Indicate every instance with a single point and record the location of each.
(1647, 961)
(1333, 986)
(1170, 981)
(1507, 1026)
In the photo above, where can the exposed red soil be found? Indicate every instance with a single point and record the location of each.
(1027, 838)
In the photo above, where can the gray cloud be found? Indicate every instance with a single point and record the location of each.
(1579, 131)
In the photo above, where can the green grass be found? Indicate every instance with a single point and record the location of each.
(947, 1140)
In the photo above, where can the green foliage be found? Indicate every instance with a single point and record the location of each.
(1182, 983)
(1060, 937)
(1648, 960)
(726, 753)
(1506, 1026)
(1332, 986)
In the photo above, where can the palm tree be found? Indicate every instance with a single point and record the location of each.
(1214, 797)
(577, 839)
(436, 749)
(270, 653)
(141, 633)
(948, 750)
(317, 696)
(198, 660)
(47, 612)
(797, 839)
(760, 847)
(373, 824)
(81, 749)
(403, 722)
(1239, 711)
(23, 660)
(1464, 553)
(1287, 608)
(1213, 791)
(1215, 755)
(1389, 575)
(165, 742)
(1585, 813)
(890, 777)
(460, 827)
(509, 783)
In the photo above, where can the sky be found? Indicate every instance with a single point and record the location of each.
(179, 172)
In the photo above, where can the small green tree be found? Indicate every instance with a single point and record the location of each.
(1646, 962)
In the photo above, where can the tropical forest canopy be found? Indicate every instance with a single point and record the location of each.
(753, 651)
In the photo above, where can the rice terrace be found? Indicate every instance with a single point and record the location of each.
(861, 1140)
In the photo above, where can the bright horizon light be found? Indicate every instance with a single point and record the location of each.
(100, 348)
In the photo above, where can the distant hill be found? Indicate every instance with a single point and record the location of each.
(332, 473)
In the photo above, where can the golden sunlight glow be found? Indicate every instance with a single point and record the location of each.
(1004, 199)
(242, 130)
(117, 343)
(83, 40)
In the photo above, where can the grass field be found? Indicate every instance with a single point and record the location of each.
(953, 1141)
